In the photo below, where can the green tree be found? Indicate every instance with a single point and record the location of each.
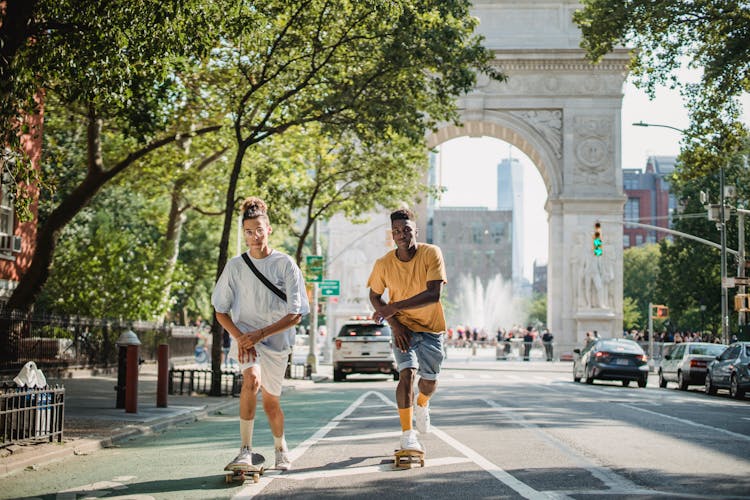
(632, 317)
(537, 310)
(102, 61)
(640, 268)
(709, 34)
(375, 67)
(689, 272)
(313, 175)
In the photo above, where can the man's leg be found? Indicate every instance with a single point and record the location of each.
(248, 403)
(430, 356)
(274, 366)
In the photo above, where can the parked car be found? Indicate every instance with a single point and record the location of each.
(611, 359)
(687, 363)
(730, 370)
(363, 346)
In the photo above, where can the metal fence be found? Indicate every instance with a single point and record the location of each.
(69, 340)
(31, 415)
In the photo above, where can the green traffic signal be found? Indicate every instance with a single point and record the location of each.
(597, 240)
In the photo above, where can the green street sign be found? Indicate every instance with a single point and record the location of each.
(330, 288)
(314, 268)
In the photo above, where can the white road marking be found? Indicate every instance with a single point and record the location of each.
(520, 487)
(735, 435)
(371, 469)
(605, 475)
(363, 437)
(250, 491)
(265, 480)
(380, 417)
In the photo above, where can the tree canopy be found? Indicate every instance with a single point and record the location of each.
(709, 35)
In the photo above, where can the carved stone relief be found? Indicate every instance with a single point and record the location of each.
(548, 122)
(593, 151)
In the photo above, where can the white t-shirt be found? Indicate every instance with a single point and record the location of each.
(250, 303)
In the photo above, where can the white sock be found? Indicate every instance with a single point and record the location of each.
(246, 432)
(279, 442)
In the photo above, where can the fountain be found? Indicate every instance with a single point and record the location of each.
(488, 309)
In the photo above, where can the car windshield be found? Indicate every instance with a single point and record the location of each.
(707, 350)
(371, 330)
(620, 346)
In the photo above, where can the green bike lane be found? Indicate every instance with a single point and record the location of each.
(181, 462)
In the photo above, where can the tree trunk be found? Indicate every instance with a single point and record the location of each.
(171, 248)
(216, 329)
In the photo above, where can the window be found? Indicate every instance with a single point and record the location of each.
(6, 211)
(638, 239)
(633, 209)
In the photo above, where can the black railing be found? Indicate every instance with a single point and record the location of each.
(31, 415)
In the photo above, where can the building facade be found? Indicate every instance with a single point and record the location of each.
(649, 200)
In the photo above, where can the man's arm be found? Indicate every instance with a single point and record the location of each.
(429, 296)
(400, 332)
(249, 339)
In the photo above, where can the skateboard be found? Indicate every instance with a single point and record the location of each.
(406, 458)
(239, 473)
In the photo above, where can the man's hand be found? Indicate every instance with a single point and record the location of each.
(246, 355)
(401, 336)
(249, 339)
(385, 312)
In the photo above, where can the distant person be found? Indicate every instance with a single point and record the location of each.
(588, 339)
(226, 343)
(260, 316)
(547, 339)
(528, 339)
(414, 275)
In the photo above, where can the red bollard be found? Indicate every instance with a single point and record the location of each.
(162, 375)
(131, 380)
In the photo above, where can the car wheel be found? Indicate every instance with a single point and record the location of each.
(662, 380)
(338, 376)
(625, 383)
(710, 387)
(589, 376)
(734, 388)
(681, 382)
(643, 381)
(395, 375)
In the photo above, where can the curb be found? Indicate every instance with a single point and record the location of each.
(10, 465)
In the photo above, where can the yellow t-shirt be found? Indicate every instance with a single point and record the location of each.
(407, 279)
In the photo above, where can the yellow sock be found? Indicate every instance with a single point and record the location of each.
(422, 400)
(405, 415)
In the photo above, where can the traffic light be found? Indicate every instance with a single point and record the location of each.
(662, 312)
(597, 239)
(742, 302)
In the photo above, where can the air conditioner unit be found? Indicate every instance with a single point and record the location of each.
(17, 240)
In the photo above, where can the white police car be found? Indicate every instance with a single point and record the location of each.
(363, 346)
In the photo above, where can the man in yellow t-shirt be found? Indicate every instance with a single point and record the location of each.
(414, 275)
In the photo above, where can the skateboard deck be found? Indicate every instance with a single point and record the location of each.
(405, 459)
(240, 473)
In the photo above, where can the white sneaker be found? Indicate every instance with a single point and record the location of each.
(422, 418)
(409, 441)
(282, 460)
(243, 461)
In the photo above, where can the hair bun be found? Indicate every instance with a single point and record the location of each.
(253, 207)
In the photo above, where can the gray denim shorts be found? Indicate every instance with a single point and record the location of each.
(425, 353)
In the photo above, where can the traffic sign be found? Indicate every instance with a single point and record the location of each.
(314, 268)
(742, 281)
(329, 288)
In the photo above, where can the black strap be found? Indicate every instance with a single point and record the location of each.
(260, 276)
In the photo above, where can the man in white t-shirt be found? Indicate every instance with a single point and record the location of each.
(261, 324)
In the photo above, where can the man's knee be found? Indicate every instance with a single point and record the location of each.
(250, 382)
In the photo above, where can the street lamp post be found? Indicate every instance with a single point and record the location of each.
(721, 225)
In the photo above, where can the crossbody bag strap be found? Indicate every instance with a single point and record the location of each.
(262, 278)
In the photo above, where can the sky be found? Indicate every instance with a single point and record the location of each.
(469, 165)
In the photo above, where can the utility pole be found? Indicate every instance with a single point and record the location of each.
(723, 229)
(312, 361)
(741, 315)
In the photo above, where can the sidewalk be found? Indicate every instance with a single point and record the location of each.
(92, 422)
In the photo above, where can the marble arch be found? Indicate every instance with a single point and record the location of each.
(564, 113)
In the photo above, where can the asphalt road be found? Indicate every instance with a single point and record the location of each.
(511, 433)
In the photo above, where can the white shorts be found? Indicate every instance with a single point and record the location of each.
(272, 366)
